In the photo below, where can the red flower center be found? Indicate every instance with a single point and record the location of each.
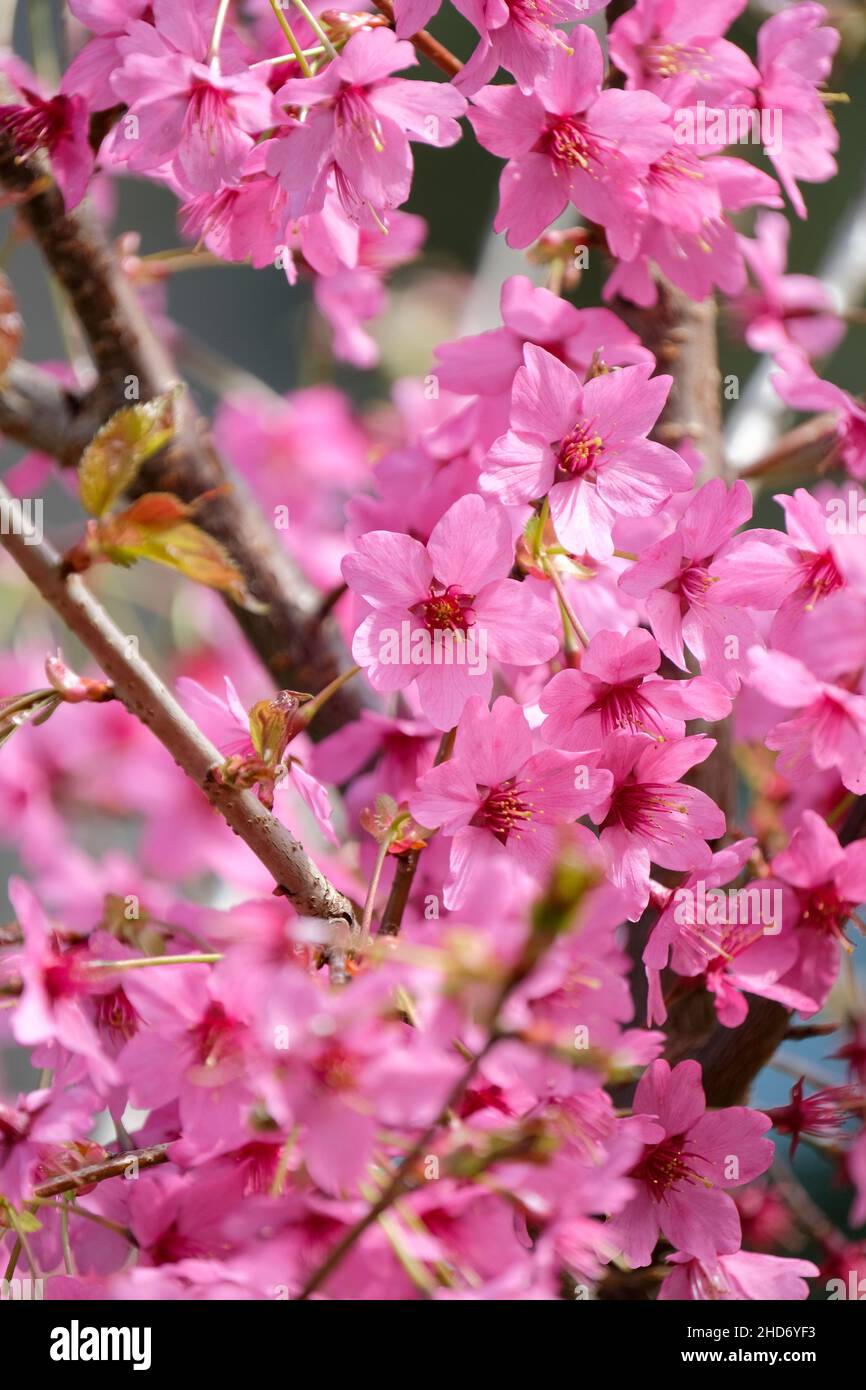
(665, 1165)
(825, 911)
(504, 811)
(446, 610)
(579, 452)
(115, 1015)
(820, 578)
(336, 1069)
(569, 143)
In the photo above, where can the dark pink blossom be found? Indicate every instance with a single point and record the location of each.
(585, 445)
(691, 1157)
(456, 587)
(569, 141)
(494, 794)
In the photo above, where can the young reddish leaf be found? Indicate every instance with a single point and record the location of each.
(274, 723)
(157, 527)
(110, 463)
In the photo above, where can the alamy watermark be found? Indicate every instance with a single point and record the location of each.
(728, 125)
(419, 646)
(22, 516)
(718, 907)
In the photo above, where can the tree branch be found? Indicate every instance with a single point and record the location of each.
(114, 1166)
(145, 696)
(39, 412)
(301, 652)
(425, 43)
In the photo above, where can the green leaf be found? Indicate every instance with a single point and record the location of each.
(157, 527)
(112, 459)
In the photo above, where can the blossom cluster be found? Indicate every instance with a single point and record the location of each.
(563, 626)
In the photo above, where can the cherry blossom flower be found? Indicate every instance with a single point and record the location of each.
(361, 119)
(795, 55)
(677, 579)
(784, 311)
(827, 883)
(60, 126)
(669, 48)
(569, 141)
(652, 817)
(829, 731)
(733, 942)
(824, 1114)
(521, 36)
(494, 794)
(611, 694)
(691, 1157)
(586, 446)
(455, 587)
(745, 1275)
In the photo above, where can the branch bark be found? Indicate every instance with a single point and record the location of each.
(145, 696)
(40, 413)
(300, 651)
(112, 1167)
(440, 56)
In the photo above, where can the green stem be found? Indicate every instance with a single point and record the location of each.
(292, 41)
(140, 962)
(578, 628)
(372, 890)
(311, 709)
(316, 27)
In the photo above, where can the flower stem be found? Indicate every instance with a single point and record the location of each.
(293, 42)
(373, 888)
(139, 962)
(213, 52)
(577, 626)
(316, 27)
(311, 709)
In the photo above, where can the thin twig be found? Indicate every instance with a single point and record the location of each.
(144, 694)
(425, 43)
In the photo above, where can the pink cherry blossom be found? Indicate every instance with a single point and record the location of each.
(745, 1275)
(361, 119)
(827, 882)
(60, 126)
(667, 46)
(677, 579)
(569, 141)
(784, 311)
(829, 731)
(455, 586)
(611, 694)
(651, 817)
(691, 1157)
(586, 446)
(795, 54)
(191, 117)
(494, 794)
(521, 36)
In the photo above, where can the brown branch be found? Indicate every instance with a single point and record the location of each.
(112, 1167)
(407, 864)
(681, 334)
(425, 43)
(301, 652)
(144, 694)
(36, 410)
(806, 449)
